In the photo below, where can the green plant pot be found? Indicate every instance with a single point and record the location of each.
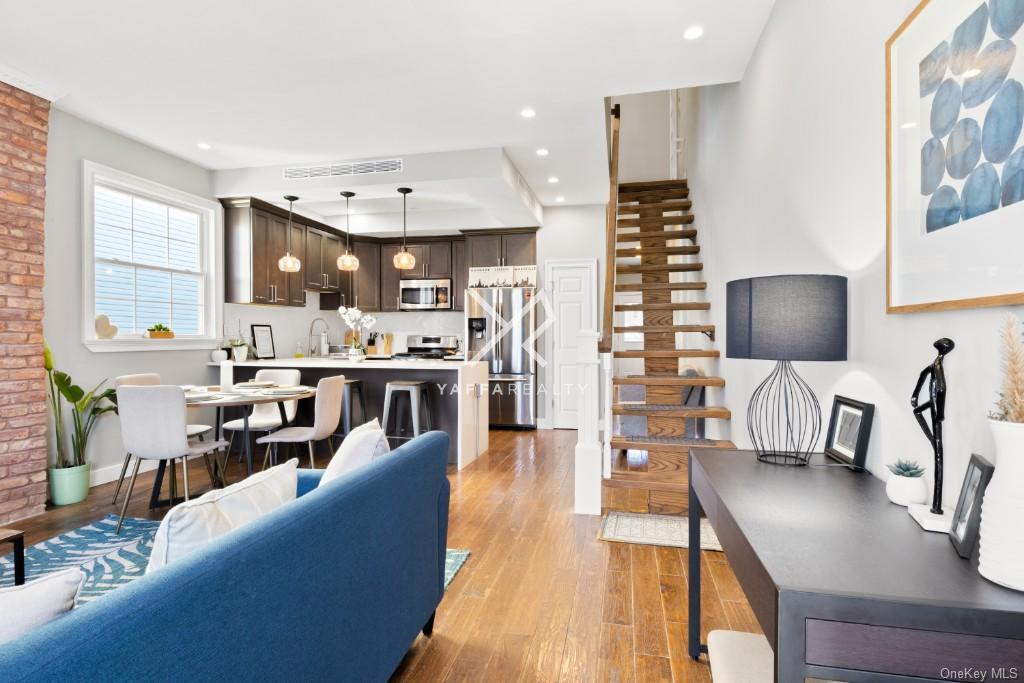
(69, 484)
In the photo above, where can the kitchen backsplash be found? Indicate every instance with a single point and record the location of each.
(291, 324)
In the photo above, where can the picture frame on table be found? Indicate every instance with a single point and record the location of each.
(849, 430)
(967, 518)
(954, 157)
(263, 341)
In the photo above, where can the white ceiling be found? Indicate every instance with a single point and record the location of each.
(270, 82)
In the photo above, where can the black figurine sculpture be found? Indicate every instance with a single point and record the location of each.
(936, 407)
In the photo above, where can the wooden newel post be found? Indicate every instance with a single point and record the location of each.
(589, 451)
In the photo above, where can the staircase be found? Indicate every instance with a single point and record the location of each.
(660, 347)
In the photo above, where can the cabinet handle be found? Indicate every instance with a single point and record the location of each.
(357, 300)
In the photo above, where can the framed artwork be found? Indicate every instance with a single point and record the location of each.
(955, 156)
(849, 429)
(263, 340)
(967, 518)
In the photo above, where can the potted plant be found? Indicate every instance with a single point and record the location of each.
(239, 350)
(1000, 535)
(69, 479)
(357, 321)
(906, 485)
(159, 331)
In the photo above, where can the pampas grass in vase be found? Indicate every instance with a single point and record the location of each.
(1001, 536)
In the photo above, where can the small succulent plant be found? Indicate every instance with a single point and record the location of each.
(906, 468)
(159, 327)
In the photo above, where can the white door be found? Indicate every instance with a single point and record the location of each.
(572, 287)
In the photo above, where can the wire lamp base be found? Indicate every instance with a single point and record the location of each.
(784, 418)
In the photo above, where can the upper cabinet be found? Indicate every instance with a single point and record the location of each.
(255, 237)
(496, 248)
(321, 266)
(390, 277)
(366, 287)
(460, 274)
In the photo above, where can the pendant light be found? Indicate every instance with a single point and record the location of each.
(348, 260)
(289, 263)
(404, 260)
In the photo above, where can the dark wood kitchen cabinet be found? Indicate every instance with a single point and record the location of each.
(486, 249)
(519, 249)
(366, 286)
(296, 281)
(483, 251)
(390, 277)
(322, 251)
(255, 237)
(459, 274)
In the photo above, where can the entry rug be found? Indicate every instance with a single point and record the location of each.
(632, 527)
(109, 560)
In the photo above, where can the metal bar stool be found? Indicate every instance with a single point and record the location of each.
(419, 401)
(352, 385)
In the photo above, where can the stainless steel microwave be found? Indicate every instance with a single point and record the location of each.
(418, 295)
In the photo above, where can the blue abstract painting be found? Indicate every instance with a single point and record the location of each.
(972, 115)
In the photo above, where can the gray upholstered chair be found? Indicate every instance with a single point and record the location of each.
(327, 414)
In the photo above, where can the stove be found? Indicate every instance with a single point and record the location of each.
(422, 347)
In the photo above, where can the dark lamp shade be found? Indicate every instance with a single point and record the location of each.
(786, 317)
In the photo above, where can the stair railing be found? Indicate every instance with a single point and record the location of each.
(611, 222)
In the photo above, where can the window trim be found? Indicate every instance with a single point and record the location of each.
(211, 248)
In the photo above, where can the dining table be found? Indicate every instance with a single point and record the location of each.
(239, 396)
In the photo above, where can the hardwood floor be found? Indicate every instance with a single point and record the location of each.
(540, 598)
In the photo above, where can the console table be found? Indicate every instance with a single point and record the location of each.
(845, 584)
(17, 539)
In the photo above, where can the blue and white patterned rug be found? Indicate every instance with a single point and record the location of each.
(109, 561)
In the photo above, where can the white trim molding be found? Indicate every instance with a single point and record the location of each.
(211, 257)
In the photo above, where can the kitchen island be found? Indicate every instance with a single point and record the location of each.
(457, 392)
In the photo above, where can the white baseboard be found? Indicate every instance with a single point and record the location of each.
(543, 423)
(103, 475)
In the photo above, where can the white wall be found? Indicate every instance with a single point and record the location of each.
(789, 178)
(644, 146)
(72, 140)
(569, 232)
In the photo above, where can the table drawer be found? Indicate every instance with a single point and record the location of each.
(911, 652)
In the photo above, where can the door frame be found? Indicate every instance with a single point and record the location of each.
(549, 339)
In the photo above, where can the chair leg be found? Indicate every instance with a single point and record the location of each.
(428, 628)
(127, 496)
(184, 475)
(209, 466)
(312, 460)
(173, 484)
(266, 456)
(415, 405)
(362, 405)
(120, 480)
(387, 409)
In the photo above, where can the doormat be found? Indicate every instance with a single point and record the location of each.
(667, 530)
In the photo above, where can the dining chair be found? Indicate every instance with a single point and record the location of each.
(192, 431)
(266, 417)
(326, 415)
(153, 428)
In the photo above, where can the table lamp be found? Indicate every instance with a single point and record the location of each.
(786, 318)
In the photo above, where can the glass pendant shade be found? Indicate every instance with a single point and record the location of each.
(348, 261)
(404, 260)
(289, 263)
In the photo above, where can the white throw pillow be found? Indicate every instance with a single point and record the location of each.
(191, 525)
(30, 606)
(363, 444)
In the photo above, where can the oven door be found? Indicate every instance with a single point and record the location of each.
(418, 295)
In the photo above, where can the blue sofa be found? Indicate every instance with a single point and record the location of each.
(334, 586)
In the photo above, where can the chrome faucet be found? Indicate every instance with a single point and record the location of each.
(314, 348)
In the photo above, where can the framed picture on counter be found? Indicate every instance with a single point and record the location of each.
(848, 431)
(263, 340)
(967, 518)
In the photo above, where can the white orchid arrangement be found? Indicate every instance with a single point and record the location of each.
(357, 321)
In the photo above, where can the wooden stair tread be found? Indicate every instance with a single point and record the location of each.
(669, 381)
(640, 185)
(632, 252)
(653, 196)
(672, 286)
(660, 268)
(664, 328)
(669, 353)
(653, 221)
(684, 234)
(671, 410)
(681, 306)
(666, 443)
(671, 205)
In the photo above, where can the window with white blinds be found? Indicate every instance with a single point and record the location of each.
(151, 260)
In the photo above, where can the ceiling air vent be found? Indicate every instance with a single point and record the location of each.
(332, 170)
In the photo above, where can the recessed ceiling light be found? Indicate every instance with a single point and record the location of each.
(971, 73)
(204, 145)
(559, 199)
(542, 152)
(693, 33)
(553, 179)
(909, 124)
(528, 113)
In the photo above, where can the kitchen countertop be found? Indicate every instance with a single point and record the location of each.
(366, 364)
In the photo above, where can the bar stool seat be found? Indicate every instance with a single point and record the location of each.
(419, 403)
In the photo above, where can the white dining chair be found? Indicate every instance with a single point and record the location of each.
(153, 428)
(266, 417)
(326, 415)
(192, 430)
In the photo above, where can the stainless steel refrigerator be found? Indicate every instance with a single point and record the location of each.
(504, 346)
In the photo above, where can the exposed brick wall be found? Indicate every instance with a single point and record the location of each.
(24, 120)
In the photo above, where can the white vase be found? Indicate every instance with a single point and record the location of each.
(906, 490)
(219, 355)
(239, 353)
(1001, 535)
